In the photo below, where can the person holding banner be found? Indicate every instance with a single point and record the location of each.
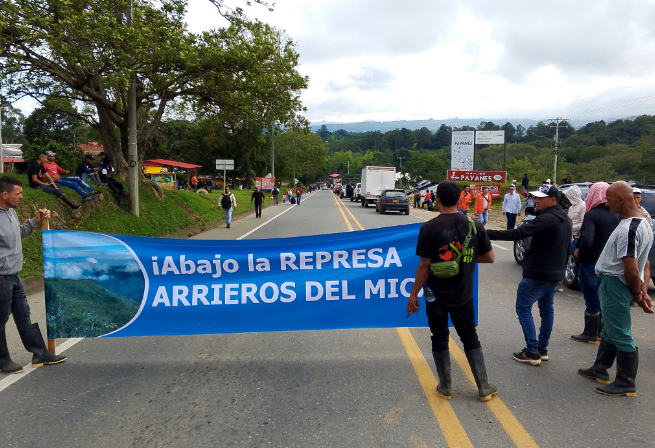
(448, 239)
(228, 203)
(12, 294)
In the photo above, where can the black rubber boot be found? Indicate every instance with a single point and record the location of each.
(626, 373)
(600, 325)
(33, 342)
(486, 390)
(65, 200)
(445, 386)
(6, 364)
(604, 360)
(590, 333)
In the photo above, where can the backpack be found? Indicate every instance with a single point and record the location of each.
(226, 202)
(292, 200)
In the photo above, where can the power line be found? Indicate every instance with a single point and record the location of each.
(616, 105)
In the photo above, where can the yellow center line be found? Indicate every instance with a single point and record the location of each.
(351, 215)
(443, 411)
(511, 425)
(343, 214)
(450, 426)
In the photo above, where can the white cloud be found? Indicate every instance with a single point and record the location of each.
(384, 60)
(381, 60)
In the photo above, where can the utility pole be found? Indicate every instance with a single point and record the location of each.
(401, 169)
(132, 151)
(2, 152)
(348, 162)
(558, 121)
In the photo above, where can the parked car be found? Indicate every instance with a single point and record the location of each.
(357, 193)
(395, 199)
(648, 202)
(348, 192)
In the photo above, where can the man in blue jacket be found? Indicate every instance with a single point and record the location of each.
(545, 265)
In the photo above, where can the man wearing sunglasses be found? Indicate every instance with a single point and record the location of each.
(511, 207)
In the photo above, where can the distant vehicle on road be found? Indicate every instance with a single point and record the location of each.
(375, 179)
(395, 199)
(348, 192)
(357, 193)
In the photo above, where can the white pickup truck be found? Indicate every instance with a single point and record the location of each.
(374, 180)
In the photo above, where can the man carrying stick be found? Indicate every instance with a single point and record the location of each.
(12, 293)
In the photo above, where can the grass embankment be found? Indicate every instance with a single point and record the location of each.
(178, 211)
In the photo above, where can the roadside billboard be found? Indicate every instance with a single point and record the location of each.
(489, 137)
(265, 183)
(462, 150)
(494, 190)
(477, 176)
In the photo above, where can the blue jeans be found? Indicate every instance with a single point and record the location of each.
(228, 215)
(75, 183)
(589, 283)
(483, 217)
(511, 220)
(529, 292)
(463, 212)
(525, 190)
(298, 199)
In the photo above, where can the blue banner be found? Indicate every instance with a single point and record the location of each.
(116, 285)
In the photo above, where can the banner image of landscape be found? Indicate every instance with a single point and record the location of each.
(115, 285)
(462, 150)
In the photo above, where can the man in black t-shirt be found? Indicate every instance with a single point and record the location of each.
(39, 178)
(107, 174)
(258, 197)
(442, 239)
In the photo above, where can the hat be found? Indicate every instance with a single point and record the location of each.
(50, 153)
(88, 156)
(546, 191)
(102, 153)
(636, 190)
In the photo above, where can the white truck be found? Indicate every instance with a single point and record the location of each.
(374, 180)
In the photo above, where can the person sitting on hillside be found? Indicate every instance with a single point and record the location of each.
(39, 179)
(75, 183)
(107, 175)
(87, 171)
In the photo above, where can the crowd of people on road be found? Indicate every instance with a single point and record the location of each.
(607, 233)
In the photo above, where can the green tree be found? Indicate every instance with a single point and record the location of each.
(12, 123)
(83, 51)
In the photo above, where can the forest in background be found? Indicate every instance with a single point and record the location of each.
(622, 149)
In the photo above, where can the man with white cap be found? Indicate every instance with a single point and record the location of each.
(551, 237)
(636, 193)
(73, 182)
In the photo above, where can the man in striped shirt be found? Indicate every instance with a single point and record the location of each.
(624, 273)
(511, 207)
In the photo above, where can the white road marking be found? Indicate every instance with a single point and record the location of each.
(416, 216)
(11, 379)
(274, 217)
(499, 247)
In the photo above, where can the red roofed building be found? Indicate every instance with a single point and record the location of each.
(90, 147)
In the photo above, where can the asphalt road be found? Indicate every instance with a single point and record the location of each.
(347, 388)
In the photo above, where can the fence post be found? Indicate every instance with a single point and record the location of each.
(52, 343)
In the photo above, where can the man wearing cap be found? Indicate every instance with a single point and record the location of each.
(87, 171)
(544, 267)
(636, 193)
(107, 174)
(511, 206)
(75, 183)
(39, 179)
(624, 273)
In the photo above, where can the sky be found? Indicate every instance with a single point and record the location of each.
(86, 256)
(382, 60)
(388, 60)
